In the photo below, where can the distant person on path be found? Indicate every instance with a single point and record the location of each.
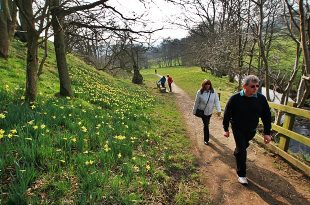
(206, 99)
(170, 81)
(243, 111)
(162, 81)
(155, 71)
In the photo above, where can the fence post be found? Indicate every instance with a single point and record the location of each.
(287, 124)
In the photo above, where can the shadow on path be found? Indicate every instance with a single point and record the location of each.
(268, 185)
(217, 166)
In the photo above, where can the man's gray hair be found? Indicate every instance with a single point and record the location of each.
(250, 78)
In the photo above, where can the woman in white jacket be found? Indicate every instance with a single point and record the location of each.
(206, 99)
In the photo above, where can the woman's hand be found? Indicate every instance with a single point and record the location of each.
(226, 134)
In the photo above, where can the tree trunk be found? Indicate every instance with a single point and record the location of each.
(13, 23)
(5, 20)
(137, 77)
(32, 51)
(59, 44)
(32, 66)
(263, 51)
(303, 89)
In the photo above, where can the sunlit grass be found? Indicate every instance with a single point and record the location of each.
(190, 79)
(112, 143)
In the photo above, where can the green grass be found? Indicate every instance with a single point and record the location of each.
(113, 143)
(190, 79)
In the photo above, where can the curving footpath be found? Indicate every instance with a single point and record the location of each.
(271, 180)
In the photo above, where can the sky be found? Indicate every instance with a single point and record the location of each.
(160, 13)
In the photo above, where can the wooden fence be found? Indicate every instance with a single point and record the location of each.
(286, 134)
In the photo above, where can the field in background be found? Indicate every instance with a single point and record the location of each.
(190, 79)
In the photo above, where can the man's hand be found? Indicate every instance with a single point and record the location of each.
(219, 114)
(267, 139)
(226, 134)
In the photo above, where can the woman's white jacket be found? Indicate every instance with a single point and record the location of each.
(201, 102)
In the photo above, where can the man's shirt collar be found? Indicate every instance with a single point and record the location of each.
(242, 93)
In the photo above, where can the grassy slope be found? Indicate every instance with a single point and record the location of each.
(190, 79)
(114, 143)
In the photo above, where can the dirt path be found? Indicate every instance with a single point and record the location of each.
(271, 181)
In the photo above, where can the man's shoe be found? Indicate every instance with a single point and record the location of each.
(206, 143)
(243, 180)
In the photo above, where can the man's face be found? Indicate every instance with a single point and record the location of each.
(251, 88)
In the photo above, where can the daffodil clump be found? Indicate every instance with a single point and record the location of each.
(100, 146)
(91, 135)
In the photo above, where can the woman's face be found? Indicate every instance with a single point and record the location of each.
(207, 86)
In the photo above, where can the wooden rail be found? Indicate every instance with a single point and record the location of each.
(286, 134)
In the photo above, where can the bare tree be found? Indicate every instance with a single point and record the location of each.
(33, 32)
(8, 12)
(94, 18)
(304, 86)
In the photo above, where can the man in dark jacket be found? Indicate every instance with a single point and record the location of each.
(243, 111)
(162, 81)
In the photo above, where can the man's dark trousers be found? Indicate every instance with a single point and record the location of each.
(242, 139)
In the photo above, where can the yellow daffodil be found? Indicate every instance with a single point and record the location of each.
(33, 106)
(10, 135)
(63, 161)
(42, 126)
(120, 137)
(119, 155)
(147, 167)
(35, 127)
(73, 139)
(84, 129)
(1, 133)
(90, 162)
(14, 131)
(106, 148)
(2, 116)
(136, 168)
(30, 122)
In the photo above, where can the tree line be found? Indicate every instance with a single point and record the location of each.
(236, 38)
(227, 37)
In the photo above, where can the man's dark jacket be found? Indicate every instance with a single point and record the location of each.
(244, 112)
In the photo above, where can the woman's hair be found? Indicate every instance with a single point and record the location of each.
(203, 87)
